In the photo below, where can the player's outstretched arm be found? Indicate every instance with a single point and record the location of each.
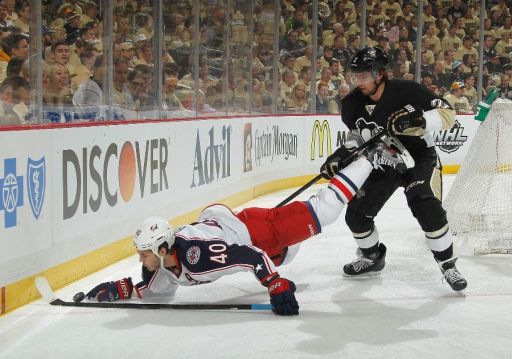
(282, 297)
(112, 291)
(236, 257)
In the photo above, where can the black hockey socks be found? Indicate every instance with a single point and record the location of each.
(443, 255)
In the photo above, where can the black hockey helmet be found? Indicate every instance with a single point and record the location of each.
(368, 59)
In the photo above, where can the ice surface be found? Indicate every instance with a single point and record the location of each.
(407, 312)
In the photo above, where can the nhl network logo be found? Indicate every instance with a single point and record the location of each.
(450, 140)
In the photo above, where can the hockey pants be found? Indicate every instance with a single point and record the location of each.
(422, 188)
(276, 229)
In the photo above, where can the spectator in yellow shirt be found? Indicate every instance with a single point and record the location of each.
(458, 102)
(432, 40)
(451, 41)
(504, 46)
(467, 48)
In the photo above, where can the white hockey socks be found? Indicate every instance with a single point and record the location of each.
(328, 203)
(439, 240)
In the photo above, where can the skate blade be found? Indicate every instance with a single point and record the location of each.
(364, 275)
(461, 293)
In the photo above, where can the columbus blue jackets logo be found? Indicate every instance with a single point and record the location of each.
(11, 192)
(193, 254)
(367, 129)
(36, 184)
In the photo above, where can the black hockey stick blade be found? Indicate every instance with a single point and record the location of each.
(47, 293)
(345, 162)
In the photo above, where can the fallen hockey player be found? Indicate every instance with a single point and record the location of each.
(255, 239)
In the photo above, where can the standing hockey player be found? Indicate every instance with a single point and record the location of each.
(255, 240)
(409, 112)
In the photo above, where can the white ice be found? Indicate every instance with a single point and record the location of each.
(407, 312)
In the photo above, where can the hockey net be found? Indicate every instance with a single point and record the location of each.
(479, 203)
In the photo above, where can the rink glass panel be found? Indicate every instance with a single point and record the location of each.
(235, 48)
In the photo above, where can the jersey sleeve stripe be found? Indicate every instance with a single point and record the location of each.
(153, 278)
(268, 261)
(223, 268)
(199, 238)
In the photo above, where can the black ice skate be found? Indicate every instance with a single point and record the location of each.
(389, 152)
(452, 275)
(364, 266)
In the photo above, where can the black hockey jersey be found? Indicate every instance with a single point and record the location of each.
(367, 117)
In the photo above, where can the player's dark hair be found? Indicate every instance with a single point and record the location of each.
(167, 249)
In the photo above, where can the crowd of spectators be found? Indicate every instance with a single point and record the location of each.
(449, 54)
(237, 73)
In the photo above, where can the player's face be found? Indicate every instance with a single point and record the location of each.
(366, 82)
(149, 260)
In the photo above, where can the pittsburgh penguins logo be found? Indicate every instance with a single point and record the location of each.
(367, 129)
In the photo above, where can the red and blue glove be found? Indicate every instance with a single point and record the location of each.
(112, 291)
(282, 298)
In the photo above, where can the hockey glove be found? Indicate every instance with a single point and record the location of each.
(333, 163)
(282, 298)
(408, 121)
(112, 291)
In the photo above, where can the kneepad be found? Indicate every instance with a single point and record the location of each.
(358, 222)
(429, 212)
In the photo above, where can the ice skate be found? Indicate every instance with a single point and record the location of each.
(364, 266)
(452, 275)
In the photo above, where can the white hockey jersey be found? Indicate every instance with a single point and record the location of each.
(217, 245)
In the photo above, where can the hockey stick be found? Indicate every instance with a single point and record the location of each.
(299, 191)
(47, 293)
(483, 251)
(346, 161)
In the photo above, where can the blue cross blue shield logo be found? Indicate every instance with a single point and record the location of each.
(11, 192)
(36, 184)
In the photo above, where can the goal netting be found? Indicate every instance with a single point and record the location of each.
(479, 203)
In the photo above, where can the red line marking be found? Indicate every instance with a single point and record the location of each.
(49, 126)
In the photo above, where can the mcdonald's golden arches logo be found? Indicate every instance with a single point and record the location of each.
(323, 133)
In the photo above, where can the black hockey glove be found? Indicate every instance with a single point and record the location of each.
(408, 121)
(112, 291)
(333, 163)
(282, 298)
